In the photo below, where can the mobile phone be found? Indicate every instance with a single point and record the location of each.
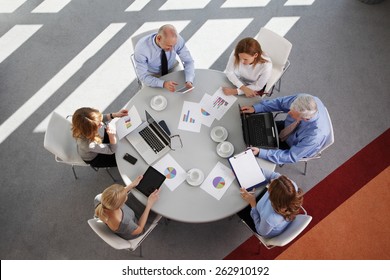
(130, 158)
(184, 89)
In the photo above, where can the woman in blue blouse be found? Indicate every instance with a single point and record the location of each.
(277, 207)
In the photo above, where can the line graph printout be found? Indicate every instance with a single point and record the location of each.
(219, 104)
(190, 118)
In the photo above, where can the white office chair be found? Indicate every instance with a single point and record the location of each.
(278, 49)
(300, 222)
(117, 242)
(60, 142)
(134, 41)
(328, 143)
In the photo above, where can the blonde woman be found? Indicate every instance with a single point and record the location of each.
(95, 147)
(248, 68)
(110, 207)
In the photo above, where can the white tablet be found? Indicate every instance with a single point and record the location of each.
(184, 89)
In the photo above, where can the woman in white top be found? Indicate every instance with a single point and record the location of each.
(249, 69)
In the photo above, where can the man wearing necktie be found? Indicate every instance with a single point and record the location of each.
(302, 134)
(155, 56)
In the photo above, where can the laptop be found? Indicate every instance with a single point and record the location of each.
(151, 180)
(150, 140)
(259, 130)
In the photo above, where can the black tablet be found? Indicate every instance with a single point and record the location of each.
(152, 180)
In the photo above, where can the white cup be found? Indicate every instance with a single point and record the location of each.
(194, 177)
(219, 132)
(158, 101)
(224, 148)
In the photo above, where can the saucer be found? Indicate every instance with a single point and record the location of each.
(215, 137)
(197, 182)
(160, 106)
(229, 154)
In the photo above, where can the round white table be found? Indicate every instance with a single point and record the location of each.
(187, 203)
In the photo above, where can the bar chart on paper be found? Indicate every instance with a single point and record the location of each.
(187, 118)
(219, 104)
(190, 117)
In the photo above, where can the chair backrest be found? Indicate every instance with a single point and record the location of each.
(115, 241)
(60, 142)
(135, 39)
(275, 46)
(330, 139)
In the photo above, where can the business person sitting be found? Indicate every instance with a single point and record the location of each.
(155, 56)
(248, 68)
(304, 131)
(120, 218)
(276, 208)
(95, 147)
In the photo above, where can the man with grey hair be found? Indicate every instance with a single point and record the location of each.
(304, 131)
(155, 56)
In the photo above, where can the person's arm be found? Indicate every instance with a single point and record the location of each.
(230, 74)
(186, 59)
(270, 175)
(144, 217)
(133, 184)
(277, 104)
(262, 227)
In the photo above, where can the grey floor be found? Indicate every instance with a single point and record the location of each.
(340, 54)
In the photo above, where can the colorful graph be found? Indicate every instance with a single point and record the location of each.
(170, 172)
(186, 118)
(220, 102)
(128, 123)
(204, 112)
(218, 182)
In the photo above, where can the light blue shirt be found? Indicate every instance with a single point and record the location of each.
(268, 223)
(147, 56)
(307, 139)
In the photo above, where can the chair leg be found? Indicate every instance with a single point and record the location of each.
(140, 251)
(74, 172)
(304, 172)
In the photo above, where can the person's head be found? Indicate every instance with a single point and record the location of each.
(304, 107)
(284, 198)
(166, 37)
(86, 122)
(249, 52)
(112, 198)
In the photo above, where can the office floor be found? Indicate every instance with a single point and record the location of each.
(71, 55)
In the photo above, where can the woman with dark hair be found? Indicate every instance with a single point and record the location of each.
(248, 68)
(277, 207)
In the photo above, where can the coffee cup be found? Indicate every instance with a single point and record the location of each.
(225, 149)
(219, 134)
(158, 103)
(194, 177)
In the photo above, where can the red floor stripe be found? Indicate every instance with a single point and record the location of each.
(330, 192)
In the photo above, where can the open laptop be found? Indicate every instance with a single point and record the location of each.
(150, 140)
(259, 130)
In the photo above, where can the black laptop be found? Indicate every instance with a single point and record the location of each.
(259, 130)
(151, 180)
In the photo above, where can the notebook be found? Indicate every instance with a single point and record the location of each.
(259, 130)
(150, 140)
(151, 180)
(247, 171)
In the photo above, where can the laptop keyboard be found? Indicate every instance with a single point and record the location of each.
(152, 140)
(259, 131)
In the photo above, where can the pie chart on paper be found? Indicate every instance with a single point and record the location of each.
(204, 112)
(170, 172)
(218, 182)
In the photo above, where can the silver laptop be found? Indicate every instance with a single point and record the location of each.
(150, 140)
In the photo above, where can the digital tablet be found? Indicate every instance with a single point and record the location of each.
(184, 90)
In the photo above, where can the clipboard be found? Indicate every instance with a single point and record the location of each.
(247, 171)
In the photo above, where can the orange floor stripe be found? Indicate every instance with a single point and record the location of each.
(358, 229)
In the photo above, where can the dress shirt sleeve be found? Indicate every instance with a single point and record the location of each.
(277, 104)
(270, 175)
(102, 148)
(231, 75)
(186, 59)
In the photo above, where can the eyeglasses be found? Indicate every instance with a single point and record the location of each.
(176, 142)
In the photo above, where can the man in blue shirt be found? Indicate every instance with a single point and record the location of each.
(309, 116)
(148, 55)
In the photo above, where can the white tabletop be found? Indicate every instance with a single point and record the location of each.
(187, 203)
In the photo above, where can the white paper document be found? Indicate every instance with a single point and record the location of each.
(218, 181)
(127, 124)
(205, 116)
(246, 169)
(190, 118)
(174, 173)
(219, 104)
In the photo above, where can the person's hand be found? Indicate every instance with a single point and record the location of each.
(229, 91)
(153, 197)
(255, 151)
(121, 113)
(110, 129)
(136, 182)
(248, 92)
(170, 85)
(247, 109)
(248, 197)
(188, 85)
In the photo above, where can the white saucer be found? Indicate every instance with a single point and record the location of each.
(217, 139)
(199, 181)
(228, 154)
(160, 107)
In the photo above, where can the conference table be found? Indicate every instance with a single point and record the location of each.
(188, 203)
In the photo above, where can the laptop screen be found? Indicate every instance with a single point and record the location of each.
(162, 134)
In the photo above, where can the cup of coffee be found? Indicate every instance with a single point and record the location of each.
(158, 103)
(219, 134)
(225, 149)
(195, 177)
